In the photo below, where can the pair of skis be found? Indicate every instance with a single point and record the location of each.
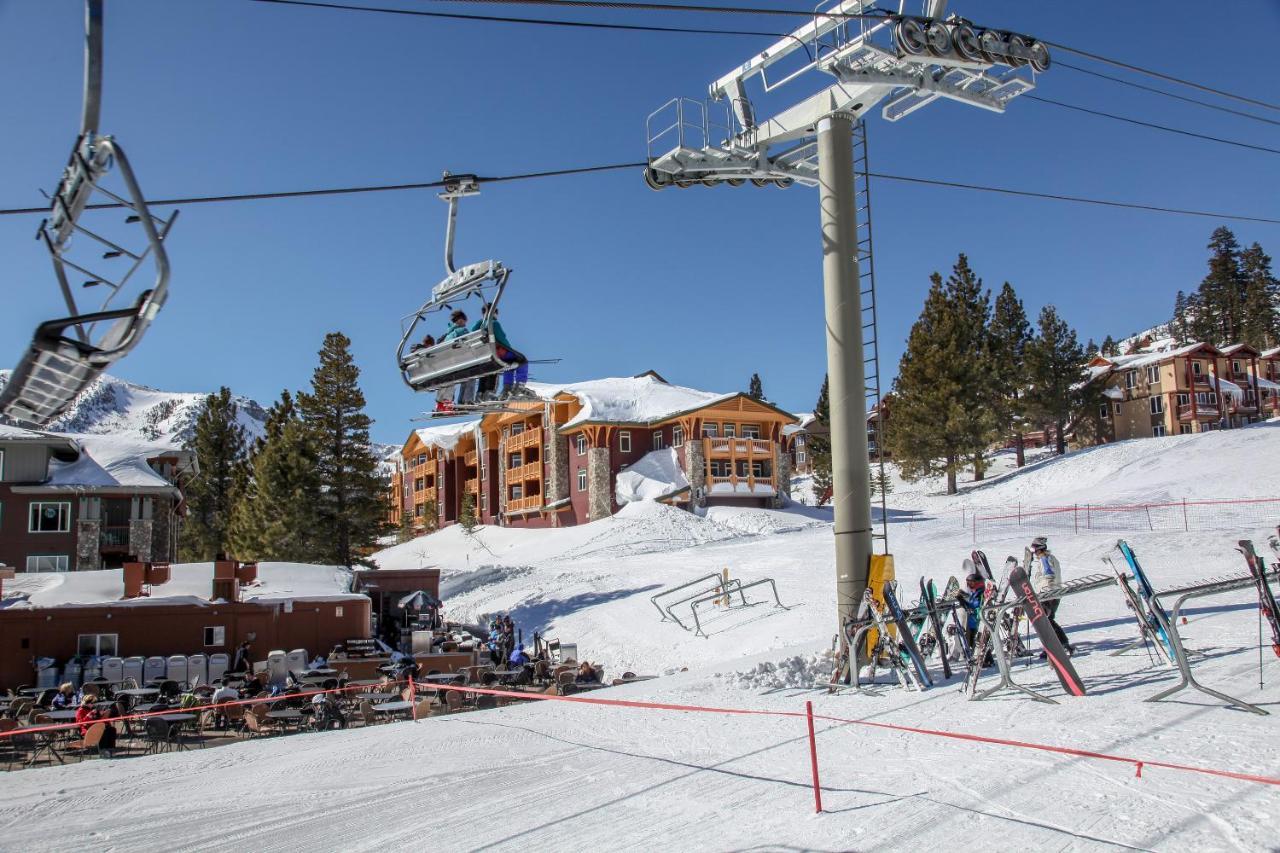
(1266, 600)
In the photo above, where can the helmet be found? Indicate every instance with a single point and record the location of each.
(1040, 542)
(974, 577)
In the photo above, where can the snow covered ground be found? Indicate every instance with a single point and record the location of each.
(563, 776)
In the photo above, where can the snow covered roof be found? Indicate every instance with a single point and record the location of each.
(1142, 359)
(189, 583)
(655, 476)
(114, 462)
(14, 434)
(446, 436)
(644, 399)
(804, 418)
(1113, 393)
(1274, 352)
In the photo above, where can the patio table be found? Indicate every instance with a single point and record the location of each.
(377, 697)
(396, 707)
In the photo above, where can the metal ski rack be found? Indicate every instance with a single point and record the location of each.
(722, 587)
(68, 353)
(1001, 643)
(1135, 603)
(740, 588)
(1182, 660)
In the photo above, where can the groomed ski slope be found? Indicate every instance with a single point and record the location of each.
(563, 776)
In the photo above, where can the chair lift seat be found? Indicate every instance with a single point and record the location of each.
(469, 356)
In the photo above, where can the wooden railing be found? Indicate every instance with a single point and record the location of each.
(527, 471)
(473, 486)
(425, 494)
(525, 439)
(470, 459)
(739, 447)
(735, 480)
(522, 504)
(1201, 410)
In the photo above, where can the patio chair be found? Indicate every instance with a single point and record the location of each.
(452, 701)
(158, 736)
(170, 689)
(367, 713)
(422, 709)
(566, 677)
(10, 745)
(91, 742)
(484, 702)
(45, 699)
(628, 675)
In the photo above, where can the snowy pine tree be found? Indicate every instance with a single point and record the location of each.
(1219, 303)
(1260, 326)
(352, 503)
(1054, 367)
(219, 444)
(819, 443)
(278, 519)
(1010, 335)
(755, 388)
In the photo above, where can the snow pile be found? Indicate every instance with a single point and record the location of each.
(108, 461)
(635, 399)
(656, 475)
(766, 522)
(790, 672)
(446, 437)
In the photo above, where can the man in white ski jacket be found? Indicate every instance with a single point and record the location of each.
(1046, 575)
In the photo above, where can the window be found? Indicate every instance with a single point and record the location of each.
(337, 611)
(582, 445)
(677, 436)
(1117, 408)
(710, 430)
(800, 457)
(517, 492)
(624, 441)
(49, 517)
(799, 441)
(1, 464)
(1196, 368)
(1184, 399)
(516, 460)
(1106, 411)
(1158, 431)
(730, 430)
(48, 563)
(96, 645)
(215, 636)
(484, 501)
(1184, 429)
(516, 429)
(422, 459)
(1236, 368)
(419, 483)
(582, 479)
(1206, 398)
(1153, 374)
(659, 441)
(1131, 378)
(757, 469)
(417, 511)
(750, 430)
(1157, 405)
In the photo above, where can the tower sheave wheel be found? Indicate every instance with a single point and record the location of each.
(1017, 52)
(965, 41)
(656, 180)
(1038, 55)
(939, 38)
(911, 38)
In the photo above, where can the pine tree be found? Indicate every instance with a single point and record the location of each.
(1109, 347)
(1090, 349)
(352, 502)
(467, 519)
(1178, 323)
(1054, 368)
(279, 519)
(1010, 335)
(942, 380)
(219, 445)
(755, 388)
(1260, 326)
(405, 532)
(819, 443)
(1220, 299)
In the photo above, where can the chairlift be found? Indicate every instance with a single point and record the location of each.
(68, 353)
(427, 365)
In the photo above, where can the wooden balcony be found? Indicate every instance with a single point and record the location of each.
(1247, 405)
(528, 438)
(527, 471)
(471, 459)
(524, 504)
(1201, 412)
(738, 448)
(473, 486)
(421, 496)
(740, 486)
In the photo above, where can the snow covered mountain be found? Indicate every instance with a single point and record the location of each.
(116, 407)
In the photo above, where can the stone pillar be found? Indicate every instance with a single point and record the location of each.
(162, 533)
(88, 545)
(140, 530)
(599, 484)
(695, 471)
(781, 476)
(499, 511)
(557, 456)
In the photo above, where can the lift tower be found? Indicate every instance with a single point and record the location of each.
(877, 56)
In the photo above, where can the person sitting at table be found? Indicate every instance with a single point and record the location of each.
(586, 675)
(65, 698)
(225, 693)
(86, 715)
(325, 712)
(518, 658)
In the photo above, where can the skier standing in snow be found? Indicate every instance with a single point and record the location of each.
(1046, 575)
(970, 599)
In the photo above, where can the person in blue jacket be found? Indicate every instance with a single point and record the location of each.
(519, 372)
(464, 392)
(518, 658)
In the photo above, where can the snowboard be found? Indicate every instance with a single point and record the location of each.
(928, 597)
(992, 596)
(908, 642)
(1054, 651)
(1149, 596)
(956, 628)
(1266, 601)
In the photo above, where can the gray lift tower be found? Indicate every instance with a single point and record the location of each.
(876, 55)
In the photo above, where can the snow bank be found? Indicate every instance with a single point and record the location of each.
(757, 522)
(795, 671)
(110, 461)
(656, 475)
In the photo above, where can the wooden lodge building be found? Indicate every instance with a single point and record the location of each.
(576, 453)
(83, 502)
(1188, 389)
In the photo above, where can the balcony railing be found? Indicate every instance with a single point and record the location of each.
(523, 504)
(423, 495)
(529, 437)
(471, 459)
(115, 536)
(1201, 410)
(527, 471)
(1202, 379)
(735, 484)
(473, 486)
(739, 447)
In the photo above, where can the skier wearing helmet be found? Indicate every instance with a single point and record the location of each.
(1046, 575)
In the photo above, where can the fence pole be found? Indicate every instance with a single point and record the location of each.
(1150, 526)
(1088, 517)
(813, 759)
(1185, 525)
(1019, 513)
(975, 528)
(1075, 516)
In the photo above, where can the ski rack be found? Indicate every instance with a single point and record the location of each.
(741, 588)
(1202, 590)
(1134, 602)
(1000, 646)
(68, 353)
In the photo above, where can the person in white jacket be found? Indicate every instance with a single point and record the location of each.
(1046, 575)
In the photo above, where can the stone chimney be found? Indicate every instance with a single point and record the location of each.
(247, 573)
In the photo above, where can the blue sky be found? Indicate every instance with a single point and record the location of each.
(703, 285)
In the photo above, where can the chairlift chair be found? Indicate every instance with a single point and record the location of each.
(474, 354)
(66, 354)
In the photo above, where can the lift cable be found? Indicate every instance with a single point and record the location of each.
(1150, 125)
(1082, 70)
(640, 165)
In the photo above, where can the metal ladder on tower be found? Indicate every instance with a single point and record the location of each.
(870, 337)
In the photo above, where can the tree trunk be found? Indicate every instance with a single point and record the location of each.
(1062, 438)
(1019, 446)
(951, 475)
(979, 469)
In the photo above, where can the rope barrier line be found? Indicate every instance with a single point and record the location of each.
(256, 700)
(1138, 764)
(1031, 511)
